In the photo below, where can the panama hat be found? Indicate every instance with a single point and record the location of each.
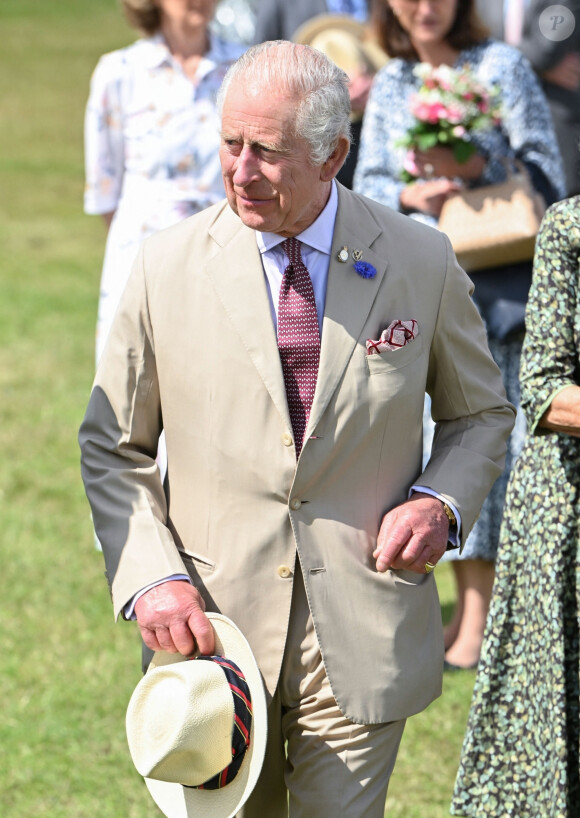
(344, 40)
(186, 718)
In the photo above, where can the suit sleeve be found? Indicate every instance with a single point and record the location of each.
(118, 438)
(472, 416)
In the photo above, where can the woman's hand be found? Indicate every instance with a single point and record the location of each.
(438, 161)
(428, 197)
(563, 414)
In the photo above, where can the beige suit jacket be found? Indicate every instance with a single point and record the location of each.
(193, 350)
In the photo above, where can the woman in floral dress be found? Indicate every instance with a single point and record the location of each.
(449, 33)
(521, 750)
(152, 133)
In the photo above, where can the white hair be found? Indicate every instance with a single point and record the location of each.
(322, 113)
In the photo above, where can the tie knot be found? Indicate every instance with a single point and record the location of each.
(292, 249)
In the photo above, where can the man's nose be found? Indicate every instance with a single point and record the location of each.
(246, 169)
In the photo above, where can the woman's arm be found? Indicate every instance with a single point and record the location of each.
(563, 414)
(104, 144)
(527, 123)
(550, 394)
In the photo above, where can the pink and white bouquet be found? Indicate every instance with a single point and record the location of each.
(448, 107)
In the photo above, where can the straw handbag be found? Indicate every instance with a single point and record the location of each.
(494, 225)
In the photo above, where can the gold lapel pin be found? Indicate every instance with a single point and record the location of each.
(357, 255)
(343, 254)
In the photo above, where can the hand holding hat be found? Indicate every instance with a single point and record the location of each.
(197, 728)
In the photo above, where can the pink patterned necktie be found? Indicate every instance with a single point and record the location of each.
(298, 339)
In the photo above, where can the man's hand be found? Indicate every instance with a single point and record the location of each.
(412, 534)
(171, 617)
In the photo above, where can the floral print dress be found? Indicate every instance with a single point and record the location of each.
(151, 150)
(521, 750)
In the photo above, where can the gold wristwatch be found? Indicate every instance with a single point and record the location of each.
(450, 515)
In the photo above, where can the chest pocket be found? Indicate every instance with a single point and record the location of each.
(393, 360)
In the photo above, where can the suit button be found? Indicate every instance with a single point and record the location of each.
(287, 439)
(284, 572)
(295, 504)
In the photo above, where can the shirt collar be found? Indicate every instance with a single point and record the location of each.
(153, 51)
(318, 235)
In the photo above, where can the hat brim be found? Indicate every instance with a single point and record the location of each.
(176, 801)
(370, 51)
(316, 25)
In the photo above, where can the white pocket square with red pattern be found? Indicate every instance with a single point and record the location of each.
(395, 336)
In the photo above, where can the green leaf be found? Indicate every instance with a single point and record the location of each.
(463, 150)
(426, 141)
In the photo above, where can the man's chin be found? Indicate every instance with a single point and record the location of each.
(256, 217)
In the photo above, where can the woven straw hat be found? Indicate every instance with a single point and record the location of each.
(344, 40)
(180, 721)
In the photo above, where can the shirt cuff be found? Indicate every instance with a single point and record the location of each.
(129, 609)
(454, 538)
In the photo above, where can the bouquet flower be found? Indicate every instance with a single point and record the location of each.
(448, 106)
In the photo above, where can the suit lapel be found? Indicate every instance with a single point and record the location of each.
(238, 278)
(349, 297)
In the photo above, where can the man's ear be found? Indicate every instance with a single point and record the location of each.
(336, 160)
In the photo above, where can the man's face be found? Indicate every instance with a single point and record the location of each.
(269, 179)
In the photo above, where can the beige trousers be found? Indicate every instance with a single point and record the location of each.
(318, 764)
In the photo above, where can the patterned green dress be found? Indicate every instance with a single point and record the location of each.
(520, 754)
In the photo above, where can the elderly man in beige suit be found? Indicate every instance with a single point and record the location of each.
(317, 540)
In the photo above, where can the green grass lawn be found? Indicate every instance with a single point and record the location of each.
(67, 671)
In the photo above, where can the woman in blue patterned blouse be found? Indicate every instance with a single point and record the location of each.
(448, 32)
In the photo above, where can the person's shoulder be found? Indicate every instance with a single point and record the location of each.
(395, 67)
(394, 76)
(565, 212)
(494, 51)
(558, 241)
(191, 229)
(224, 51)
(500, 63)
(133, 56)
(362, 206)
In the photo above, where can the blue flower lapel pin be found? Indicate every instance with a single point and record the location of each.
(364, 269)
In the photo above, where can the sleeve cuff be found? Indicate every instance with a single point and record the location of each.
(454, 539)
(129, 608)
